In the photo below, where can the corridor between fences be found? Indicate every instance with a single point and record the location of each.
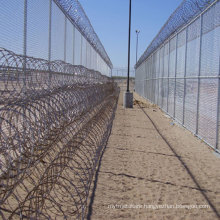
(58, 103)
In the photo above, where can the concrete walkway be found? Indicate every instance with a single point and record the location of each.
(154, 169)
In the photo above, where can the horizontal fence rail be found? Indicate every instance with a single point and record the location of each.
(55, 119)
(181, 72)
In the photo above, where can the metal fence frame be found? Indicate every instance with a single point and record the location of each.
(157, 79)
(87, 49)
(57, 107)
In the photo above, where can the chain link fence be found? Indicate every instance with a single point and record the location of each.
(52, 30)
(57, 107)
(122, 72)
(180, 69)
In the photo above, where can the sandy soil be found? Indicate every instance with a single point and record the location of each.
(154, 169)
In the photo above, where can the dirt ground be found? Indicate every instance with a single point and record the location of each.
(154, 169)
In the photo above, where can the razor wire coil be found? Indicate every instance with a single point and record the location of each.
(55, 120)
(187, 10)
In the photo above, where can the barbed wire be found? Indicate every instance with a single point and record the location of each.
(55, 119)
(187, 10)
(77, 15)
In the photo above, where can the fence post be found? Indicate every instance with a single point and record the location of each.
(184, 96)
(162, 78)
(25, 34)
(174, 113)
(218, 111)
(24, 123)
(146, 88)
(151, 80)
(168, 76)
(65, 35)
(25, 47)
(143, 94)
(81, 50)
(87, 63)
(158, 78)
(199, 73)
(50, 25)
(152, 77)
(90, 60)
(49, 39)
(74, 41)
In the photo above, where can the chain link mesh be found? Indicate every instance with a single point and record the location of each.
(183, 78)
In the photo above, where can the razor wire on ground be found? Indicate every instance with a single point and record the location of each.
(55, 120)
(180, 70)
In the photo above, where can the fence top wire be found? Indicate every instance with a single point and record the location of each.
(74, 11)
(186, 11)
(11, 61)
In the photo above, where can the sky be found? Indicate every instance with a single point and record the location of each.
(109, 19)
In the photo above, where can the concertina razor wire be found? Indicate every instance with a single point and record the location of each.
(55, 121)
(187, 10)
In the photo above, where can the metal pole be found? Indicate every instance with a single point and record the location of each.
(25, 44)
(184, 96)
(24, 82)
(137, 32)
(218, 110)
(198, 91)
(86, 54)
(158, 79)
(129, 43)
(153, 78)
(168, 79)
(145, 87)
(25, 32)
(49, 40)
(162, 92)
(89, 56)
(81, 49)
(174, 111)
(144, 71)
(74, 44)
(147, 75)
(65, 29)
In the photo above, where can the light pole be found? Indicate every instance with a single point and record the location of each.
(128, 96)
(137, 32)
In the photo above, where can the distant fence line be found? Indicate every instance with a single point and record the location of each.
(52, 30)
(122, 72)
(180, 70)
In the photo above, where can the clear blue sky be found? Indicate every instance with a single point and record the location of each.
(110, 21)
